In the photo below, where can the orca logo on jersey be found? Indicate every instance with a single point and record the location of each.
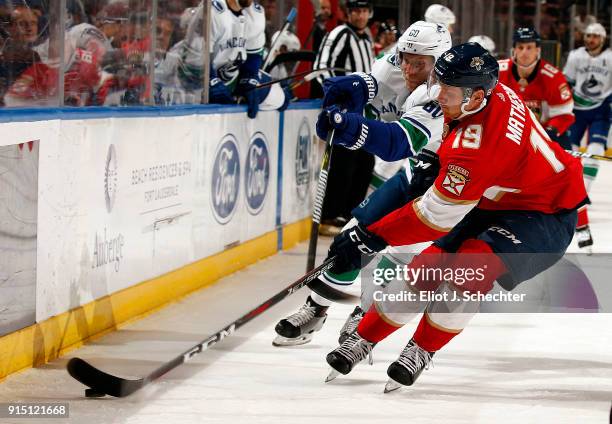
(302, 160)
(256, 173)
(225, 179)
(456, 179)
(588, 85)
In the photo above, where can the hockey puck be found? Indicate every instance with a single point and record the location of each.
(91, 393)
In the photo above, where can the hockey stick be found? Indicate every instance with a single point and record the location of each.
(313, 73)
(318, 202)
(290, 18)
(101, 383)
(585, 155)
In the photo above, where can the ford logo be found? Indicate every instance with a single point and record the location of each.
(225, 179)
(257, 173)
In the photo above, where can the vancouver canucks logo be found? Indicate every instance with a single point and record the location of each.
(477, 63)
(257, 173)
(588, 86)
(225, 179)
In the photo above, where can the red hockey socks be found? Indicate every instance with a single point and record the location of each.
(432, 338)
(583, 217)
(373, 326)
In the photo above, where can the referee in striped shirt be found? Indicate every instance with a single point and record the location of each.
(348, 46)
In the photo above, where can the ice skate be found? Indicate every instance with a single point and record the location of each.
(298, 328)
(585, 239)
(410, 364)
(352, 321)
(352, 351)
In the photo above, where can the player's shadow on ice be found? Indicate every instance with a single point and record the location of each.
(479, 394)
(518, 364)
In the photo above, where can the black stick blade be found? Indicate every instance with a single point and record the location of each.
(100, 381)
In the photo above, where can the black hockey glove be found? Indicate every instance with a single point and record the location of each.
(425, 170)
(354, 248)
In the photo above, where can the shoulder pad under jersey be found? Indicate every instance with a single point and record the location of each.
(382, 69)
(418, 97)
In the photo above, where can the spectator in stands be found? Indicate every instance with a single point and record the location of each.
(320, 28)
(165, 32)
(23, 25)
(270, 10)
(85, 47)
(111, 21)
(18, 52)
(385, 38)
(14, 60)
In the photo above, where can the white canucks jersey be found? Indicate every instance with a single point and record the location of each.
(234, 36)
(590, 76)
(177, 75)
(419, 117)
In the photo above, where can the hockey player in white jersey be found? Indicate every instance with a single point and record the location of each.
(236, 48)
(397, 95)
(589, 71)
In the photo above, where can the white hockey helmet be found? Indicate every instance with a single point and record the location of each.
(288, 39)
(595, 29)
(424, 38)
(484, 41)
(439, 14)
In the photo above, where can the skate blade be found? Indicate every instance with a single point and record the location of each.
(392, 385)
(281, 341)
(332, 375)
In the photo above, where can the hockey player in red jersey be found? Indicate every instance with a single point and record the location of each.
(505, 191)
(542, 86)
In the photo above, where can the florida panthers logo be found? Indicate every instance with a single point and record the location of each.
(477, 63)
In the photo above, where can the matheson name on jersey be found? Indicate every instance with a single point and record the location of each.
(516, 122)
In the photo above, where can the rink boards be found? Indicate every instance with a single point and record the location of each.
(108, 214)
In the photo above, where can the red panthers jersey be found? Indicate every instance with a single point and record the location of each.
(499, 158)
(545, 91)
